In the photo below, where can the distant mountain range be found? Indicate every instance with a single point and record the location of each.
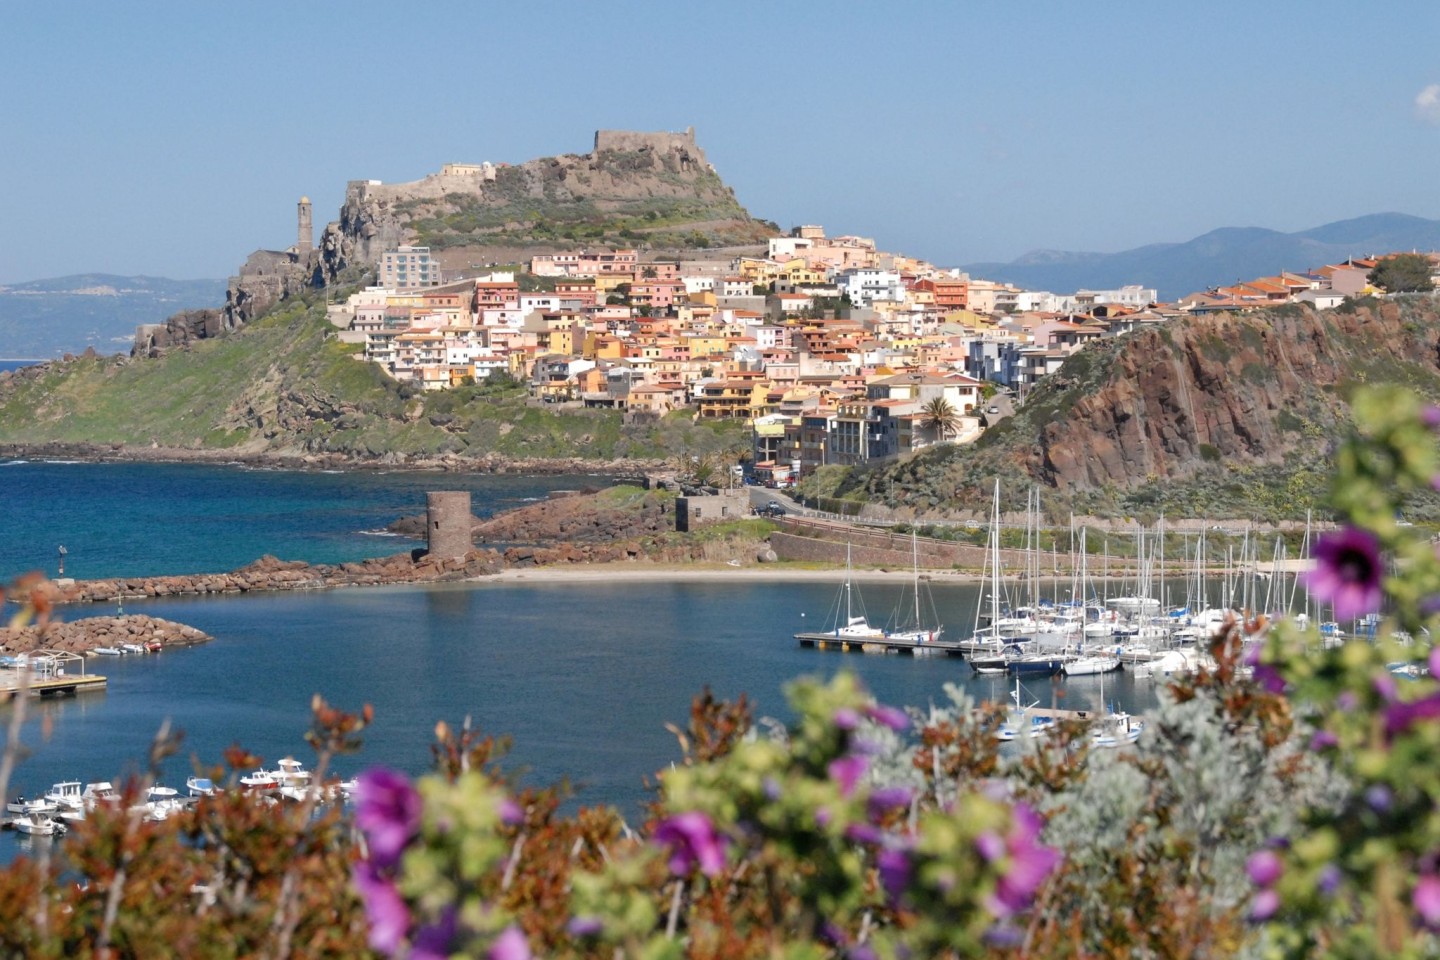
(40, 319)
(1218, 258)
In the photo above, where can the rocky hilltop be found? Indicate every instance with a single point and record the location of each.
(1223, 415)
(654, 191)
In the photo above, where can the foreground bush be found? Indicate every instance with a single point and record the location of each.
(1282, 802)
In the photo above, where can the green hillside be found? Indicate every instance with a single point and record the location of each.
(285, 385)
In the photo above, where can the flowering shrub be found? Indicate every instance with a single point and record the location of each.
(1284, 802)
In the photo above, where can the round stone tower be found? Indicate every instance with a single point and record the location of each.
(447, 523)
(305, 239)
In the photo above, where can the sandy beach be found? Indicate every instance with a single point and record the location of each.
(713, 573)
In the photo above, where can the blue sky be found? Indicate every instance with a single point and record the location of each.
(173, 139)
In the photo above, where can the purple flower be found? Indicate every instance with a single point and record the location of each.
(510, 945)
(863, 833)
(1379, 798)
(1265, 905)
(1430, 416)
(772, 789)
(388, 915)
(861, 951)
(846, 719)
(847, 771)
(387, 809)
(1399, 717)
(692, 840)
(1324, 740)
(1266, 675)
(1264, 867)
(1329, 880)
(585, 926)
(1347, 573)
(1029, 863)
(511, 813)
(434, 941)
(885, 799)
(1427, 899)
(990, 846)
(894, 869)
(1384, 685)
(891, 717)
(1434, 662)
(1004, 936)
(1346, 700)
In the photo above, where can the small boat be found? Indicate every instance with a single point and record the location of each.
(18, 805)
(161, 802)
(106, 651)
(200, 786)
(260, 781)
(154, 646)
(1091, 665)
(38, 824)
(1116, 729)
(293, 778)
(1020, 723)
(132, 648)
(66, 796)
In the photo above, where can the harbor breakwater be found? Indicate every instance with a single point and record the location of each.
(79, 636)
(272, 574)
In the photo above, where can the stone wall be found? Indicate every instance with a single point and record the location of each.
(622, 141)
(827, 543)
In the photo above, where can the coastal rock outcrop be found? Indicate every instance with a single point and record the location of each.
(80, 636)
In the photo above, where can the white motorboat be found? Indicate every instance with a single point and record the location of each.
(106, 651)
(260, 781)
(67, 795)
(1116, 729)
(162, 802)
(38, 824)
(132, 648)
(293, 779)
(200, 786)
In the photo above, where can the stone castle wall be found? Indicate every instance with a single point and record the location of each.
(628, 141)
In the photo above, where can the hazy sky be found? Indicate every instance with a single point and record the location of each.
(173, 139)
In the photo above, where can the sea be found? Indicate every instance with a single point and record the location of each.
(583, 676)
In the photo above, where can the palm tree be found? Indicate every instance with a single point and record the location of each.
(941, 417)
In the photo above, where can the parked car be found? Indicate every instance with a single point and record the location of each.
(993, 409)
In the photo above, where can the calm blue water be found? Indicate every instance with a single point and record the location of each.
(584, 676)
(133, 519)
(15, 364)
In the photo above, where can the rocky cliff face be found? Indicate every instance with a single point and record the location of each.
(1217, 416)
(1240, 389)
(651, 190)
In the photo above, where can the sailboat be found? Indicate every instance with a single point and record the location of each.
(912, 628)
(846, 626)
(987, 649)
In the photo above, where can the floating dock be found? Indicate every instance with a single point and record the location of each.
(64, 686)
(829, 641)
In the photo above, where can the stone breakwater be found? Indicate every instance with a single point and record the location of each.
(78, 636)
(270, 574)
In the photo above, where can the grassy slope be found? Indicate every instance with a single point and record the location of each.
(283, 384)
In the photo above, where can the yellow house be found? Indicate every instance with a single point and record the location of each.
(606, 284)
(757, 270)
(708, 345)
(800, 271)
